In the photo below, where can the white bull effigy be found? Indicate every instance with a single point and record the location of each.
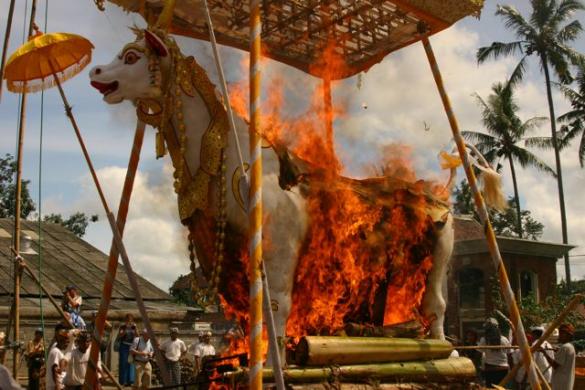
(377, 233)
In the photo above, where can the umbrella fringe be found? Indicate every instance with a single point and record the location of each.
(19, 86)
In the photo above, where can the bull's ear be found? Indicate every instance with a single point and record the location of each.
(156, 43)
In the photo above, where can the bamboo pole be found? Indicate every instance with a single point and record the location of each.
(117, 238)
(100, 321)
(483, 214)
(441, 371)
(327, 350)
(109, 375)
(17, 216)
(23, 264)
(6, 43)
(328, 110)
(547, 333)
(255, 202)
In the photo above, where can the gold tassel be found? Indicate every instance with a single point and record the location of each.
(492, 192)
(161, 149)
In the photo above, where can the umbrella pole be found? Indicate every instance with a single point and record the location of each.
(6, 42)
(90, 376)
(483, 214)
(117, 239)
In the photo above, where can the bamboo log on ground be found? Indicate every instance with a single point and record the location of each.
(441, 371)
(409, 329)
(324, 350)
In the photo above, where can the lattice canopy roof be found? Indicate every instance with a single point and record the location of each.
(295, 32)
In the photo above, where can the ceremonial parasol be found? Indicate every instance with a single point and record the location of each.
(46, 60)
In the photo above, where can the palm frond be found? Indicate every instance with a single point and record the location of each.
(518, 73)
(476, 137)
(530, 124)
(542, 12)
(528, 159)
(582, 149)
(570, 32)
(514, 20)
(560, 65)
(499, 49)
(565, 10)
(544, 143)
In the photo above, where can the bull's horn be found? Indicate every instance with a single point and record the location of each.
(165, 18)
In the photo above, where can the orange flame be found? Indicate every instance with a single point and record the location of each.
(363, 260)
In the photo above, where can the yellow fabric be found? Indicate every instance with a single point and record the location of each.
(33, 66)
(449, 161)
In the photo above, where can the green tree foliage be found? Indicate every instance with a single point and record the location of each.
(504, 224)
(535, 313)
(506, 131)
(8, 190)
(547, 33)
(76, 223)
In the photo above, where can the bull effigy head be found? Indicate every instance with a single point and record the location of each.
(135, 73)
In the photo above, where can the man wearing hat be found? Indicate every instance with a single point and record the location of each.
(563, 364)
(539, 356)
(204, 348)
(174, 349)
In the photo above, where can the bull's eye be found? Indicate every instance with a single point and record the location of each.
(131, 58)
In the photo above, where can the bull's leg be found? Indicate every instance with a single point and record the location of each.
(433, 304)
(287, 222)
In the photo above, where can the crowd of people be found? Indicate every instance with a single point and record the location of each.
(495, 360)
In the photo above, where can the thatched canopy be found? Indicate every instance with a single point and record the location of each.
(295, 32)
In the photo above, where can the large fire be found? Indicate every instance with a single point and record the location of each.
(365, 259)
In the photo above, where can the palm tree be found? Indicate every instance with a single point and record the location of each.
(505, 132)
(547, 34)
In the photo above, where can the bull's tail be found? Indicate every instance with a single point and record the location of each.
(490, 180)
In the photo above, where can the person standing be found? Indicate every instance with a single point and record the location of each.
(57, 361)
(539, 356)
(174, 349)
(78, 362)
(124, 340)
(563, 363)
(72, 305)
(105, 342)
(142, 351)
(35, 359)
(203, 349)
(495, 362)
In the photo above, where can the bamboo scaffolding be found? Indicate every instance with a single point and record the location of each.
(484, 216)
(326, 350)
(117, 239)
(255, 202)
(17, 211)
(90, 376)
(440, 371)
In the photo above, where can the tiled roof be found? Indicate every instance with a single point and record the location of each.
(66, 260)
(467, 228)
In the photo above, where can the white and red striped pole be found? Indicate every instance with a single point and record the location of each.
(255, 203)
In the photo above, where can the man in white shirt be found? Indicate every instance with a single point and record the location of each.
(78, 362)
(57, 361)
(204, 348)
(174, 349)
(539, 357)
(563, 364)
(142, 351)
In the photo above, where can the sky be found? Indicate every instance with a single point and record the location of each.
(399, 93)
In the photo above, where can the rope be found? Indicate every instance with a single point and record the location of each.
(40, 203)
